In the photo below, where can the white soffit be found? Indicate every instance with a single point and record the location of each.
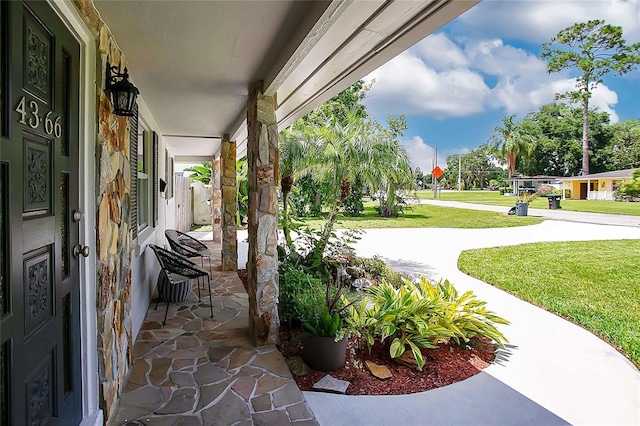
(194, 61)
(192, 146)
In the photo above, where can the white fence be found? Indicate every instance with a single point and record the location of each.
(601, 195)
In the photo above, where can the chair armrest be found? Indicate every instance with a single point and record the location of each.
(189, 241)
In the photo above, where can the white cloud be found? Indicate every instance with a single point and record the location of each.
(440, 53)
(421, 154)
(604, 99)
(439, 79)
(492, 57)
(406, 85)
(538, 21)
(527, 94)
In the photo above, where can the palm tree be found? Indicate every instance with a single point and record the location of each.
(337, 155)
(292, 163)
(242, 184)
(512, 140)
(388, 169)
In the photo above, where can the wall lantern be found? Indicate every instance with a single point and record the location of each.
(123, 92)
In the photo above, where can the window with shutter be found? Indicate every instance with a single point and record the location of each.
(133, 164)
(156, 187)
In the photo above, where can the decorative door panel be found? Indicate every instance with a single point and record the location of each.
(39, 185)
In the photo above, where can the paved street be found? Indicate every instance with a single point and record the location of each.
(565, 215)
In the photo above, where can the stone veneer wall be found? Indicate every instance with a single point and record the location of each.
(113, 242)
(216, 200)
(262, 265)
(230, 205)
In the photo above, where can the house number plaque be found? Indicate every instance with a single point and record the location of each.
(29, 115)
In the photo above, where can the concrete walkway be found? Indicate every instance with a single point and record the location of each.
(553, 372)
(598, 218)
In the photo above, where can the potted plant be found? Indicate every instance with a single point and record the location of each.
(325, 344)
(522, 202)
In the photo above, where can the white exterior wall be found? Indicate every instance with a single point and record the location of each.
(144, 265)
(201, 208)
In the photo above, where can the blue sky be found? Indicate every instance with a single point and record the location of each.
(456, 84)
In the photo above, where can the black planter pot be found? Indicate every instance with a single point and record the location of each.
(172, 293)
(324, 353)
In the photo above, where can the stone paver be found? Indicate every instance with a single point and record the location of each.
(210, 393)
(181, 402)
(229, 410)
(330, 384)
(198, 370)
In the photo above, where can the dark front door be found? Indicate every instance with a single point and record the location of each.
(583, 190)
(39, 165)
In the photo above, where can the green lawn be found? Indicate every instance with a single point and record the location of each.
(424, 216)
(494, 198)
(595, 284)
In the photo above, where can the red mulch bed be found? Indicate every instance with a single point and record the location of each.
(443, 366)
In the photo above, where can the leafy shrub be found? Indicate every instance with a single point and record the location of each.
(322, 263)
(630, 189)
(306, 197)
(526, 197)
(421, 315)
(294, 284)
(307, 276)
(326, 325)
(375, 268)
(352, 205)
(320, 310)
(504, 190)
(545, 190)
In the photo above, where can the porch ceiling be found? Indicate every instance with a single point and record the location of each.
(194, 61)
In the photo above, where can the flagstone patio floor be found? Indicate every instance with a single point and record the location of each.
(198, 370)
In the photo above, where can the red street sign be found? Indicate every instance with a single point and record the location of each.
(437, 172)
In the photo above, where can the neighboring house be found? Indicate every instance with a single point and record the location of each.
(532, 183)
(79, 185)
(596, 186)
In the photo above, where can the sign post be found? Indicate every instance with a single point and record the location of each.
(437, 173)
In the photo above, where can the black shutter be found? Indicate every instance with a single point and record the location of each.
(172, 178)
(133, 164)
(168, 175)
(156, 186)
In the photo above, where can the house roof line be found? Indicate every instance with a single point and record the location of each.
(616, 174)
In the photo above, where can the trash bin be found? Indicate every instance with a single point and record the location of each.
(554, 201)
(522, 209)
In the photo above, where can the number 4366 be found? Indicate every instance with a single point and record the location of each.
(32, 118)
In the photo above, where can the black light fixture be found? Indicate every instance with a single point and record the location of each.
(123, 92)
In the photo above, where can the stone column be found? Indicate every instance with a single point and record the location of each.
(262, 266)
(229, 205)
(216, 200)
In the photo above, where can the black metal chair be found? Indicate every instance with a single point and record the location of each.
(188, 246)
(176, 272)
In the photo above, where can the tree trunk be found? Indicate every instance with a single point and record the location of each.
(328, 229)
(286, 184)
(511, 162)
(585, 137)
